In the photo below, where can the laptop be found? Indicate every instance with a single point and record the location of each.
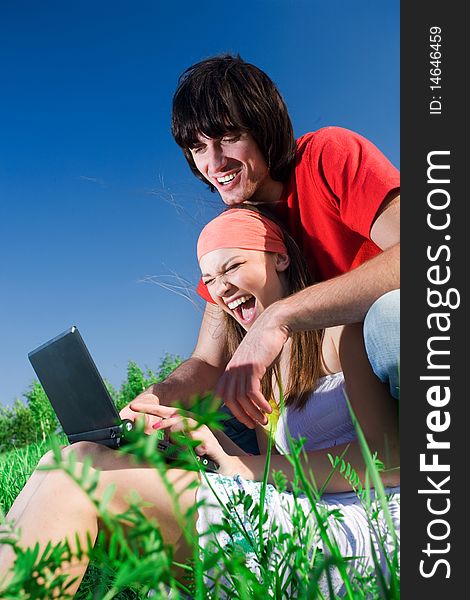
(80, 399)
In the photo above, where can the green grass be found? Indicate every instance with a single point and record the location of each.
(127, 565)
(16, 466)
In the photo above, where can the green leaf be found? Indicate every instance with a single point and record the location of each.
(106, 498)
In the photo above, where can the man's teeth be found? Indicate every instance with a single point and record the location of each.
(238, 301)
(227, 178)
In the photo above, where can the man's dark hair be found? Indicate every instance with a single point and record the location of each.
(225, 94)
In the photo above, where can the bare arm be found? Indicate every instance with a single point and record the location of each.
(252, 467)
(339, 301)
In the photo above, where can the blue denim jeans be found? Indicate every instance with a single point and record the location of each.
(240, 434)
(382, 339)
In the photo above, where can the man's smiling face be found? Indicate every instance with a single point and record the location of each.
(235, 166)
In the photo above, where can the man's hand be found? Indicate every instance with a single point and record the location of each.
(146, 401)
(240, 385)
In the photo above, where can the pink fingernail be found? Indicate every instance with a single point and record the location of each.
(157, 425)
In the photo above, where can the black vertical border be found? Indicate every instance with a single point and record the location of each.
(421, 133)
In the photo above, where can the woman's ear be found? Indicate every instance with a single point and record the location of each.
(282, 261)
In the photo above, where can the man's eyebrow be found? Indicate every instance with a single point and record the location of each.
(200, 138)
(224, 265)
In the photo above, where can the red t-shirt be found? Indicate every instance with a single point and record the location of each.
(329, 204)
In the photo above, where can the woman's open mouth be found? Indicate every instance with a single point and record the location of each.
(245, 309)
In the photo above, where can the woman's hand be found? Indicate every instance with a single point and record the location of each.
(145, 402)
(172, 420)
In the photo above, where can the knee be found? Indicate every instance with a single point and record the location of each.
(81, 450)
(57, 480)
(47, 459)
(382, 323)
(382, 339)
(383, 314)
(60, 482)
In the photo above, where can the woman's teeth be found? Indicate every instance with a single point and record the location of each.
(233, 305)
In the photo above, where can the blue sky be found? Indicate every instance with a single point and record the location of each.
(95, 196)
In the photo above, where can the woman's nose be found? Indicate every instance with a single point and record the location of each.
(222, 286)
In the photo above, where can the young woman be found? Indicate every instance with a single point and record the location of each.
(247, 263)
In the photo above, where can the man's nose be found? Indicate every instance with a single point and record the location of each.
(217, 159)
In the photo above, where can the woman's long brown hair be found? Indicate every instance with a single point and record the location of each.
(305, 360)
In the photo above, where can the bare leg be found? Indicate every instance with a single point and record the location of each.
(51, 507)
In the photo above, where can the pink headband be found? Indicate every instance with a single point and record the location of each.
(240, 228)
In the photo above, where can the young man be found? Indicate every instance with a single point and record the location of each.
(336, 194)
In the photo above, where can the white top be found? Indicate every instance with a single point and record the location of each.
(324, 421)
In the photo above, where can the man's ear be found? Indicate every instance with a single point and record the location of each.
(282, 262)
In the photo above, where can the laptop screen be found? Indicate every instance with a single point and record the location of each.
(73, 384)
